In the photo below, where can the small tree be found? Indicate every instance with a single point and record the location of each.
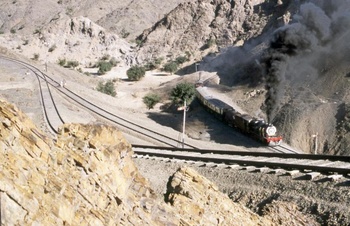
(72, 64)
(36, 56)
(181, 59)
(135, 73)
(104, 66)
(171, 67)
(183, 91)
(151, 100)
(62, 62)
(107, 88)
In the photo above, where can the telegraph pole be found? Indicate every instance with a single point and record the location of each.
(183, 126)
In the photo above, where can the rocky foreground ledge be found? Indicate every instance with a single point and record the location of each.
(87, 177)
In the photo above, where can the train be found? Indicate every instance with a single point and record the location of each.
(251, 126)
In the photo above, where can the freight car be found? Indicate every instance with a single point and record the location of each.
(253, 127)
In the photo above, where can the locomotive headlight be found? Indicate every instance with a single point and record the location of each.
(271, 131)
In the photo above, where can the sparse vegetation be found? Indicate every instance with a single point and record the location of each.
(13, 31)
(62, 62)
(72, 64)
(135, 73)
(171, 67)
(36, 56)
(211, 42)
(69, 11)
(183, 91)
(26, 42)
(107, 88)
(154, 64)
(151, 100)
(124, 33)
(181, 59)
(103, 67)
(37, 31)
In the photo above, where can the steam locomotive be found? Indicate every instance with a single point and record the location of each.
(253, 127)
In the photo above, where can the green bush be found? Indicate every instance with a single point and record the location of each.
(154, 64)
(62, 62)
(72, 64)
(211, 42)
(104, 66)
(181, 59)
(107, 88)
(151, 100)
(171, 67)
(183, 91)
(135, 73)
(36, 56)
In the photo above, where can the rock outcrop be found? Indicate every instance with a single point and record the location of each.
(197, 196)
(203, 26)
(86, 178)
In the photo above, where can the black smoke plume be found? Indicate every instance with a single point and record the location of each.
(317, 36)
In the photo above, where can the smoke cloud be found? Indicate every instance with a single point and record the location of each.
(316, 38)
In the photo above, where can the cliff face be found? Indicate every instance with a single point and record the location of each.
(86, 178)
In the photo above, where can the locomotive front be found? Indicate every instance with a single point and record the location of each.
(271, 135)
(265, 132)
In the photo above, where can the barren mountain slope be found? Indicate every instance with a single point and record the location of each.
(25, 16)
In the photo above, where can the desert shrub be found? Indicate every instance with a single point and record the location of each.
(135, 73)
(62, 62)
(36, 56)
(124, 33)
(154, 64)
(211, 42)
(72, 64)
(104, 66)
(107, 88)
(151, 100)
(13, 31)
(183, 91)
(181, 59)
(26, 42)
(37, 31)
(171, 67)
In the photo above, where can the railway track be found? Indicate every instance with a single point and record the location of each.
(285, 158)
(310, 165)
(50, 110)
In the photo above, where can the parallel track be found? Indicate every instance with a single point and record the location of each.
(128, 126)
(290, 160)
(327, 164)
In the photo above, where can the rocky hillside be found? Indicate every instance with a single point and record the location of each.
(294, 51)
(88, 177)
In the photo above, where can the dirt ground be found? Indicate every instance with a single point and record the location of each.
(326, 201)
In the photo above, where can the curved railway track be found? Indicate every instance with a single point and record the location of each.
(281, 160)
(291, 163)
(50, 110)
